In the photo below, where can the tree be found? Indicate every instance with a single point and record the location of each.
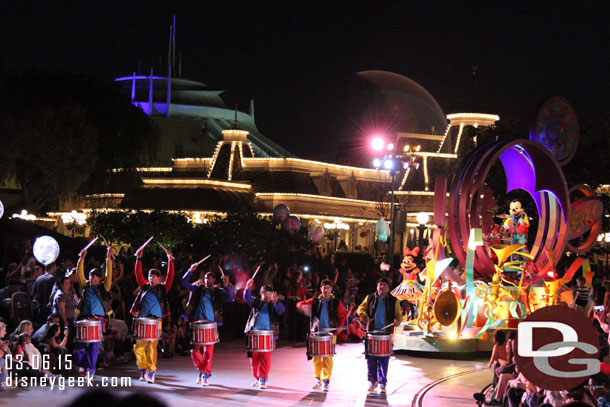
(381, 192)
(49, 148)
(251, 237)
(62, 132)
(134, 228)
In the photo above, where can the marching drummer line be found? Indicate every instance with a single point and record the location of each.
(206, 333)
(320, 344)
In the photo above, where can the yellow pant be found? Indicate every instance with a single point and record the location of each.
(146, 353)
(323, 367)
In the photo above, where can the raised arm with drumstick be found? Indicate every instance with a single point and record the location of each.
(205, 305)
(151, 302)
(94, 304)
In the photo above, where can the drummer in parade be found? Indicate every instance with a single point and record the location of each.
(383, 312)
(151, 302)
(205, 305)
(328, 314)
(93, 305)
(263, 317)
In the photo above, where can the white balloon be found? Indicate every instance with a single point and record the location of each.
(1, 209)
(46, 250)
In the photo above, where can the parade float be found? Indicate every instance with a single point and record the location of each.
(482, 275)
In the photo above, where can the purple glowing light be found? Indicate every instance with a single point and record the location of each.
(521, 174)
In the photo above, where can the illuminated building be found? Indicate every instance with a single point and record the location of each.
(220, 162)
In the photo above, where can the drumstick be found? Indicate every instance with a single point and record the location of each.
(89, 244)
(196, 265)
(314, 323)
(107, 245)
(204, 259)
(387, 326)
(145, 243)
(222, 273)
(341, 328)
(257, 270)
(163, 247)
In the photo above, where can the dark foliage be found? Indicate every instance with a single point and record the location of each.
(62, 132)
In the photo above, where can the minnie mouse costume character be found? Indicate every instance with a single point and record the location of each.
(410, 288)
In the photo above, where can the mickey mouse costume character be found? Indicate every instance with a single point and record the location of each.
(410, 288)
(517, 223)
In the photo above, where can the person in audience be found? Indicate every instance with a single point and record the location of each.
(3, 351)
(42, 292)
(354, 330)
(20, 353)
(581, 295)
(39, 335)
(499, 354)
(24, 326)
(64, 304)
(55, 345)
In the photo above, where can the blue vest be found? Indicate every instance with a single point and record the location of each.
(92, 303)
(205, 310)
(262, 318)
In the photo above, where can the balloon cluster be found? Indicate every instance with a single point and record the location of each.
(290, 223)
(46, 250)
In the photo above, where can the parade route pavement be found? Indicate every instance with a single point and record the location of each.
(412, 381)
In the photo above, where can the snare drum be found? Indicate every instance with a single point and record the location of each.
(146, 329)
(321, 344)
(261, 340)
(204, 333)
(88, 331)
(379, 344)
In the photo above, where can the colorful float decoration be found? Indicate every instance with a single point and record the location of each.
(505, 271)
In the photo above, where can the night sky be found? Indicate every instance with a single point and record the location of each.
(292, 57)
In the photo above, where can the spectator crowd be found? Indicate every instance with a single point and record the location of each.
(38, 310)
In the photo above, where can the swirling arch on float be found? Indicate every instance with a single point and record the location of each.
(529, 166)
(585, 215)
